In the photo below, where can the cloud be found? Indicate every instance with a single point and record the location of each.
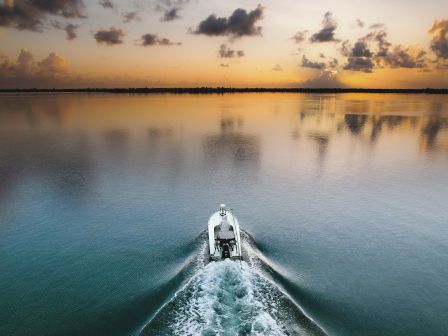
(33, 14)
(109, 36)
(65, 8)
(359, 23)
(360, 56)
(390, 56)
(70, 29)
(439, 41)
(326, 34)
(363, 64)
(227, 52)
(277, 68)
(332, 65)
(153, 39)
(170, 9)
(26, 70)
(306, 63)
(171, 14)
(240, 23)
(360, 49)
(377, 26)
(326, 79)
(107, 4)
(130, 16)
(403, 57)
(224, 65)
(375, 51)
(300, 36)
(25, 64)
(52, 66)
(380, 38)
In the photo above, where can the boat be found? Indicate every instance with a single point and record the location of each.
(224, 235)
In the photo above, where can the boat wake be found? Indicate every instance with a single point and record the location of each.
(230, 298)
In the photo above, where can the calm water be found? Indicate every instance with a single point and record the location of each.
(104, 200)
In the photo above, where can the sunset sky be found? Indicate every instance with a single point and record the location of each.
(166, 43)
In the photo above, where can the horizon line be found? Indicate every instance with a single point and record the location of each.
(222, 90)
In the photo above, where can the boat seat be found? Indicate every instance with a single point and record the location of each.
(226, 235)
(225, 226)
(226, 231)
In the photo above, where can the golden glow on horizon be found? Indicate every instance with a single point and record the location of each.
(196, 61)
(283, 120)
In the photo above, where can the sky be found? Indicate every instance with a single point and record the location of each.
(191, 43)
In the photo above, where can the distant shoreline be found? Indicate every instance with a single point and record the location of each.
(222, 90)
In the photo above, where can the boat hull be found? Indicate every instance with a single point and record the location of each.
(220, 246)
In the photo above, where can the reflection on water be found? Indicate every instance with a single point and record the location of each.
(57, 135)
(53, 135)
(355, 122)
(321, 140)
(231, 144)
(92, 188)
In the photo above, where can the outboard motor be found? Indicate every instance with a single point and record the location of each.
(225, 251)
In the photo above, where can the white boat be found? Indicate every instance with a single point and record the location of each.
(224, 235)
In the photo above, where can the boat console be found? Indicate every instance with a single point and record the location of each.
(224, 235)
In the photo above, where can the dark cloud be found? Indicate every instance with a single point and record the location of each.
(21, 16)
(65, 8)
(109, 36)
(375, 51)
(170, 9)
(361, 49)
(363, 64)
(359, 23)
(390, 56)
(403, 57)
(307, 63)
(277, 68)
(380, 38)
(107, 4)
(326, 34)
(171, 14)
(227, 52)
(70, 29)
(240, 23)
(130, 16)
(153, 39)
(33, 14)
(359, 56)
(439, 42)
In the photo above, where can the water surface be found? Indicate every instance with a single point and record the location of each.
(104, 200)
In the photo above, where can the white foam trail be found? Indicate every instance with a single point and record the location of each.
(228, 298)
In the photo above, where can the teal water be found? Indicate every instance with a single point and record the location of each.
(104, 200)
